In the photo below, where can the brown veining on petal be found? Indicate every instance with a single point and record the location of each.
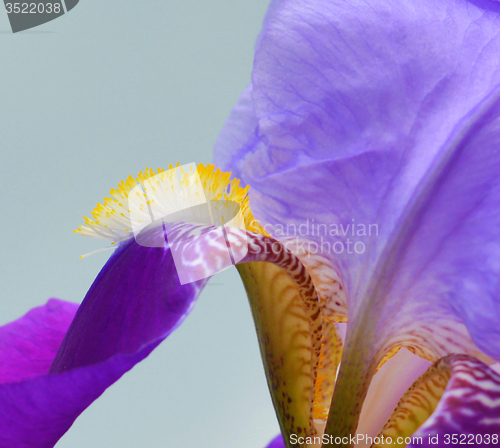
(300, 350)
(458, 393)
(418, 403)
(326, 280)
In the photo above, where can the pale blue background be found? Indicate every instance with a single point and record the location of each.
(98, 94)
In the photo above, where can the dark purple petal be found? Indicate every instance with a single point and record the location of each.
(277, 442)
(134, 303)
(136, 299)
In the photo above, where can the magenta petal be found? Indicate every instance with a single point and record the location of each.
(277, 442)
(36, 412)
(470, 407)
(29, 344)
(134, 303)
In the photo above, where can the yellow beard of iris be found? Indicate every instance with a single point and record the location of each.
(111, 219)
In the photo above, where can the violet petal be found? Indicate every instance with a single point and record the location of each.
(136, 299)
(372, 113)
(134, 303)
(28, 345)
(277, 442)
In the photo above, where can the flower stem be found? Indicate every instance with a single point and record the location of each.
(350, 391)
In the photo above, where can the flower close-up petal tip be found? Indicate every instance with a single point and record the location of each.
(135, 301)
(277, 442)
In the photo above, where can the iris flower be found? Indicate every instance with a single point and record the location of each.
(369, 137)
(385, 113)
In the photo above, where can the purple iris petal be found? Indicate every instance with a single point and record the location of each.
(136, 300)
(239, 137)
(134, 303)
(384, 113)
(29, 344)
(468, 412)
(36, 412)
(277, 442)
